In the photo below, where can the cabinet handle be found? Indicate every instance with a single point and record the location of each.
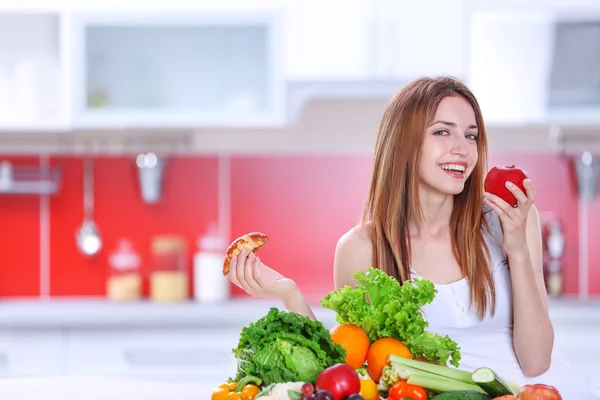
(178, 357)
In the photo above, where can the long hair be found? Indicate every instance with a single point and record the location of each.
(393, 197)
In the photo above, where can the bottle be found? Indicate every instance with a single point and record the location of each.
(555, 243)
(210, 286)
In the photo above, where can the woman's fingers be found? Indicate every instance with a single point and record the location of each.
(240, 270)
(251, 266)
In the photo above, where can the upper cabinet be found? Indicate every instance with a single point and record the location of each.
(179, 70)
(31, 93)
(374, 40)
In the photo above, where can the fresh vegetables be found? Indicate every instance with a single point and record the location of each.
(379, 352)
(403, 390)
(285, 347)
(490, 382)
(281, 391)
(393, 310)
(431, 376)
(340, 379)
(539, 392)
(245, 389)
(462, 395)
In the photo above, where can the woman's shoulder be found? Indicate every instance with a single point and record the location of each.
(353, 252)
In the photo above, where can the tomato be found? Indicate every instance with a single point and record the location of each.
(340, 379)
(403, 390)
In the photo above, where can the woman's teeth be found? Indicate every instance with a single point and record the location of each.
(453, 167)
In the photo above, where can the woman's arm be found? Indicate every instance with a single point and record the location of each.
(533, 331)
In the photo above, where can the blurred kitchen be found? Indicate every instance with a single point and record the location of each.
(137, 141)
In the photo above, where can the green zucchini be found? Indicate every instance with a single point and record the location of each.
(490, 382)
(462, 395)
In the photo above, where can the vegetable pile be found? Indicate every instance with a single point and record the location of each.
(380, 350)
(394, 311)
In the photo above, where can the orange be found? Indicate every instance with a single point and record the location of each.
(354, 340)
(379, 352)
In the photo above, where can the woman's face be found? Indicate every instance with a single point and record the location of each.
(449, 152)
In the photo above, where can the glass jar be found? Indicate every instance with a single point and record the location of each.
(169, 277)
(124, 282)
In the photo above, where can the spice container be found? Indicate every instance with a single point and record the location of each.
(124, 281)
(169, 278)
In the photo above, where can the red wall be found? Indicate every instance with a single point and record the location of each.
(303, 203)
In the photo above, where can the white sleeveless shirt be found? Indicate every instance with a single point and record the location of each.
(488, 342)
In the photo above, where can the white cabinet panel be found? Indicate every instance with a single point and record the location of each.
(176, 70)
(326, 40)
(30, 353)
(201, 356)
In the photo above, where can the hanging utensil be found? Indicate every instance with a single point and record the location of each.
(88, 236)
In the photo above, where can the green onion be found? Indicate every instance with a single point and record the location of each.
(452, 373)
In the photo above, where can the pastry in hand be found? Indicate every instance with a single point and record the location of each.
(250, 241)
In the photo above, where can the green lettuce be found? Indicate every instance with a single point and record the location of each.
(285, 347)
(383, 307)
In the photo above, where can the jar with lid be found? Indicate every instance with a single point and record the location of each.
(210, 286)
(169, 278)
(124, 282)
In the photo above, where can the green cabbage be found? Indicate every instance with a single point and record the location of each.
(285, 347)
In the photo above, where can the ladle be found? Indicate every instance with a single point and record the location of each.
(89, 240)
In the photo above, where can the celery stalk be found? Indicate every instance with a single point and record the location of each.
(438, 383)
(452, 373)
(399, 363)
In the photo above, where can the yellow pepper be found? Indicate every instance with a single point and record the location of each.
(245, 389)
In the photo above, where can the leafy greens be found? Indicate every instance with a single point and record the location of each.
(392, 310)
(285, 347)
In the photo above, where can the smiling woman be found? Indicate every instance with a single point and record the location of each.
(427, 216)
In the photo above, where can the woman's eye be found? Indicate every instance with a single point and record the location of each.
(441, 132)
(471, 136)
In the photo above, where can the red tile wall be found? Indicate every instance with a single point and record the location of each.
(304, 204)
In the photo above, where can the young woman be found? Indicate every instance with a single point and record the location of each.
(427, 216)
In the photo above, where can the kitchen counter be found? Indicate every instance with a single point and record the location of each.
(84, 313)
(98, 388)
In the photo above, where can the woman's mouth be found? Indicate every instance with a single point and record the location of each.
(455, 170)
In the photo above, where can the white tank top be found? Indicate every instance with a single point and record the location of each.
(488, 342)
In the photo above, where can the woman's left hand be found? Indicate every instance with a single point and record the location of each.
(514, 219)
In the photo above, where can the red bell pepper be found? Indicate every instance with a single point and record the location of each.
(403, 390)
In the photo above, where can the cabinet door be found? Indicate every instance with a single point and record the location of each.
(172, 70)
(326, 40)
(30, 353)
(195, 355)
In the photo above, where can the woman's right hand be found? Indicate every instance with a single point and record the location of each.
(247, 272)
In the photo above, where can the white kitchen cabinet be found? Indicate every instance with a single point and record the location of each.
(184, 355)
(509, 64)
(374, 39)
(327, 40)
(30, 353)
(31, 95)
(176, 70)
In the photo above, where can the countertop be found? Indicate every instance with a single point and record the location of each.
(101, 313)
(98, 388)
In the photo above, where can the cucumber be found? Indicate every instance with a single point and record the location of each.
(462, 395)
(491, 383)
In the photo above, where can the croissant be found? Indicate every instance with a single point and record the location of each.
(251, 241)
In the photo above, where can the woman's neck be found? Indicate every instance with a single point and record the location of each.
(436, 210)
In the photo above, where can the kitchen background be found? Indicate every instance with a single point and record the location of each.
(178, 127)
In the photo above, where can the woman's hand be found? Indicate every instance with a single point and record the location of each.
(514, 219)
(255, 278)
